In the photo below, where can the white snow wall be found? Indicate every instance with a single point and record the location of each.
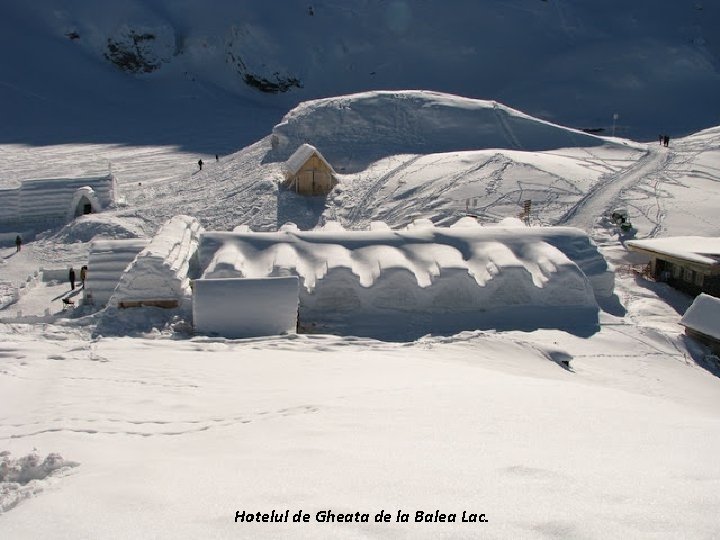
(106, 262)
(238, 308)
(159, 273)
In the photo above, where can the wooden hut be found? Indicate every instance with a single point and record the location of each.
(688, 263)
(307, 172)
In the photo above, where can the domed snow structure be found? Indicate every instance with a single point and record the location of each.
(393, 283)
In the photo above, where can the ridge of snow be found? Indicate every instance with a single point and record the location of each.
(161, 270)
(382, 123)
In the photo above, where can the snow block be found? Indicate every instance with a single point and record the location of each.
(159, 274)
(238, 308)
(107, 260)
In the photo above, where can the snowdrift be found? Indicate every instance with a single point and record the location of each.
(159, 274)
(703, 317)
(350, 277)
(380, 124)
(106, 262)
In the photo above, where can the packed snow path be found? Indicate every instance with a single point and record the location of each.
(606, 194)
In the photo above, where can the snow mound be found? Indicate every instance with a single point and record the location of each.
(26, 476)
(159, 273)
(86, 228)
(380, 124)
(423, 269)
(106, 262)
(8, 294)
(704, 316)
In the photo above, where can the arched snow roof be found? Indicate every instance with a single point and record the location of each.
(88, 193)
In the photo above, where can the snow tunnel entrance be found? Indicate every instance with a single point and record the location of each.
(84, 206)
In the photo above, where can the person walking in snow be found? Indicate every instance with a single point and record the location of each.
(71, 278)
(217, 158)
(666, 140)
(83, 275)
(18, 243)
(200, 164)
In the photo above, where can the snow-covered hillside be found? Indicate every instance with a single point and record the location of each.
(163, 72)
(150, 431)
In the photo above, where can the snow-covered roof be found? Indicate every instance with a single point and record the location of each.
(160, 270)
(295, 162)
(704, 316)
(699, 249)
(543, 254)
(436, 278)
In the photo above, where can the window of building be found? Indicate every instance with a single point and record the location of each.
(698, 279)
(688, 275)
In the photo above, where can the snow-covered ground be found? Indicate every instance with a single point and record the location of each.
(166, 435)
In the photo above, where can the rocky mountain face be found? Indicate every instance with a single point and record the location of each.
(639, 68)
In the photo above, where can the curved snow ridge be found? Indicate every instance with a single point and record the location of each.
(107, 260)
(160, 271)
(421, 265)
(383, 123)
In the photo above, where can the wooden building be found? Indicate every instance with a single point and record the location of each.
(702, 321)
(688, 263)
(307, 172)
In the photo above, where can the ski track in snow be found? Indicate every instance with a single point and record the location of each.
(606, 193)
(152, 427)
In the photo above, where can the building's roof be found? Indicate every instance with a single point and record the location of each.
(704, 316)
(541, 258)
(699, 249)
(301, 155)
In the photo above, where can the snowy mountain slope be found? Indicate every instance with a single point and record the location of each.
(686, 186)
(564, 184)
(356, 132)
(162, 72)
(169, 435)
(379, 124)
